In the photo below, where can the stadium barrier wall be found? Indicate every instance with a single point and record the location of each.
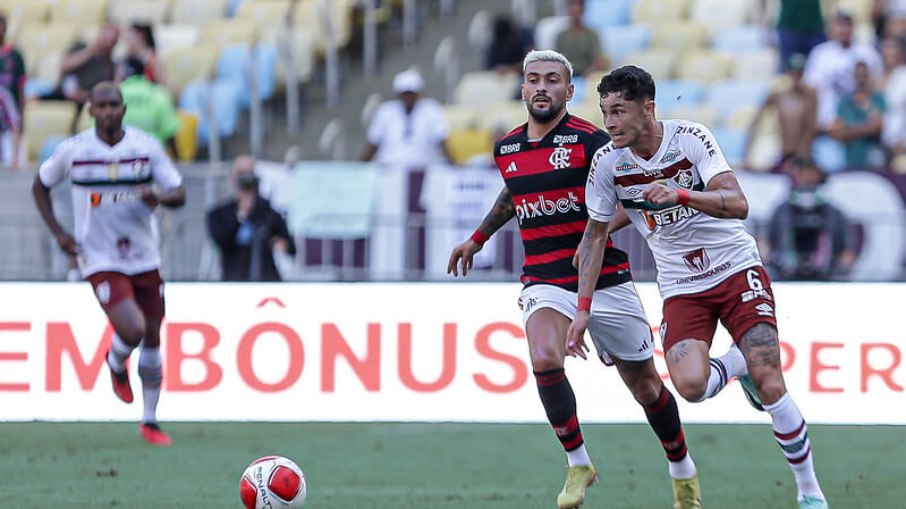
(411, 352)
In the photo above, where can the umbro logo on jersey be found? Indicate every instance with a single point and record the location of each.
(765, 309)
(512, 168)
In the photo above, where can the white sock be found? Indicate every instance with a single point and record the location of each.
(119, 352)
(578, 456)
(791, 433)
(724, 368)
(682, 469)
(149, 371)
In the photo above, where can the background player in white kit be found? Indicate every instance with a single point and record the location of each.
(119, 176)
(678, 190)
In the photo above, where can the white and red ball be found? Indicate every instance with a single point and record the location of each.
(272, 482)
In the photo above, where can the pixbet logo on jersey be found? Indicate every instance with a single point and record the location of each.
(545, 207)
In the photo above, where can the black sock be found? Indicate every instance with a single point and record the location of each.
(560, 405)
(663, 416)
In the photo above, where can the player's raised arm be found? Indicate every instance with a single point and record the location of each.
(590, 256)
(500, 214)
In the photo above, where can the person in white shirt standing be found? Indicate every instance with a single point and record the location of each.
(677, 189)
(119, 175)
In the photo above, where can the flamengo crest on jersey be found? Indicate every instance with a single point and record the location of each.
(115, 230)
(546, 179)
(693, 250)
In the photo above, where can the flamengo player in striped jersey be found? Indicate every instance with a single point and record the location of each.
(678, 190)
(114, 172)
(544, 164)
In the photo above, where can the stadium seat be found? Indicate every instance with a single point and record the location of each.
(481, 88)
(465, 144)
(308, 16)
(722, 13)
(547, 29)
(184, 65)
(44, 68)
(705, 66)
(764, 152)
(737, 40)
(197, 12)
(733, 145)
(44, 40)
(235, 61)
(500, 118)
(600, 14)
(38, 87)
(756, 65)
(265, 15)
(659, 62)
(460, 117)
(79, 12)
(173, 37)
(741, 117)
(296, 52)
(153, 12)
(829, 154)
(659, 11)
(679, 36)
(618, 41)
(730, 95)
(223, 32)
(49, 146)
(860, 9)
(670, 94)
(22, 12)
(220, 98)
(187, 136)
(701, 113)
(44, 119)
(84, 120)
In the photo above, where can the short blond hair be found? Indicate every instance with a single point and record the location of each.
(548, 55)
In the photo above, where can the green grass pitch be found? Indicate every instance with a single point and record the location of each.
(433, 466)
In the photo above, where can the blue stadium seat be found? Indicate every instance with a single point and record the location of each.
(729, 95)
(37, 87)
(226, 100)
(607, 13)
(233, 6)
(47, 148)
(737, 40)
(619, 41)
(672, 93)
(234, 61)
(829, 154)
(733, 145)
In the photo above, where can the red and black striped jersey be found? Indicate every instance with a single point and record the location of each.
(546, 179)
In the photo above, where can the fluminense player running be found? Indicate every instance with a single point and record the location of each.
(678, 190)
(118, 176)
(544, 164)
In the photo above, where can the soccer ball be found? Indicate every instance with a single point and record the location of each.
(272, 482)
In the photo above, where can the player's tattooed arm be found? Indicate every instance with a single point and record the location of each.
(723, 199)
(590, 256)
(500, 214)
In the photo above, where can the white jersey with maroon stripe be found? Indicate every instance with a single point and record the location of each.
(115, 230)
(693, 251)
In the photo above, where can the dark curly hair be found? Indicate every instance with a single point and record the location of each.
(633, 83)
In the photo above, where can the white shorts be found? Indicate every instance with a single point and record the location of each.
(618, 325)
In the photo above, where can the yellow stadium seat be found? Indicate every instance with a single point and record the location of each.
(39, 40)
(20, 12)
(187, 136)
(764, 152)
(465, 144)
(741, 118)
(184, 65)
(660, 63)
(679, 36)
(266, 15)
(197, 12)
(45, 67)
(705, 66)
(480, 88)
(146, 11)
(588, 111)
(296, 50)
(701, 113)
(171, 37)
(503, 116)
(308, 16)
(44, 119)
(657, 11)
(84, 121)
(79, 12)
(222, 32)
(461, 117)
(756, 65)
(722, 13)
(860, 9)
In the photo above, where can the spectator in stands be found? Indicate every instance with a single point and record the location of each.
(800, 27)
(893, 132)
(808, 238)
(830, 67)
(86, 65)
(579, 43)
(891, 59)
(12, 69)
(410, 130)
(139, 39)
(859, 123)
(509, 45)
(796, 107)
(149, 106)
(887, 16)
(247, 230)
(10, 130)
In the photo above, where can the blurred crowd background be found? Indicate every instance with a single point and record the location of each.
(354, 136)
